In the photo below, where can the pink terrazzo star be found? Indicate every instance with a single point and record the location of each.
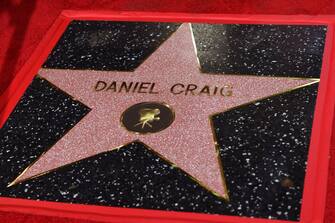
(188, 142)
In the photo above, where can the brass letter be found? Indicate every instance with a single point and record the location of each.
(172, 89)
(191, 88)
(227, 90)
(143, 86)
(125, 86)
(135, 87)
(205, 90)
(97, 86)
(215, 90)
(112, 86)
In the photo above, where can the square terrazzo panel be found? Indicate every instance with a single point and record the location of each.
(201, 118)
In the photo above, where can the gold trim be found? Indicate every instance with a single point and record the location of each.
(197, 57)
(173, 165)
(141, 61)
(224, 197)
(145, 133)
(232, 74)
(60, 167)
(270, 96)
(217, 149)
(16, 181)
(218, 74)
(257, 76)
(64, 92)
(195, 47)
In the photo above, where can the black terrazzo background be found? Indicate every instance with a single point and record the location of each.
(132, 176)
(267, 182)
(264, 147)
(108, 45)
(265, 179)
(40, 119)
(264, 50)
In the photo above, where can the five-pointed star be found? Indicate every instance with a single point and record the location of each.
(188, 142)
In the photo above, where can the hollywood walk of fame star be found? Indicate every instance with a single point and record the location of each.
(188, 142)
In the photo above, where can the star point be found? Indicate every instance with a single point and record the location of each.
(170, 75)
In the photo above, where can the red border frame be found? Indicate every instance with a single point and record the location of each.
(314, 195)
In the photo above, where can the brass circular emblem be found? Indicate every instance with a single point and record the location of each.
(147, 117)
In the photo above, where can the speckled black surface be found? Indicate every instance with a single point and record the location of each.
(265, 50)
(40, 119)
(264, 147)
(256, 154)
(108, 45)
(264, 167)
(130, 177)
